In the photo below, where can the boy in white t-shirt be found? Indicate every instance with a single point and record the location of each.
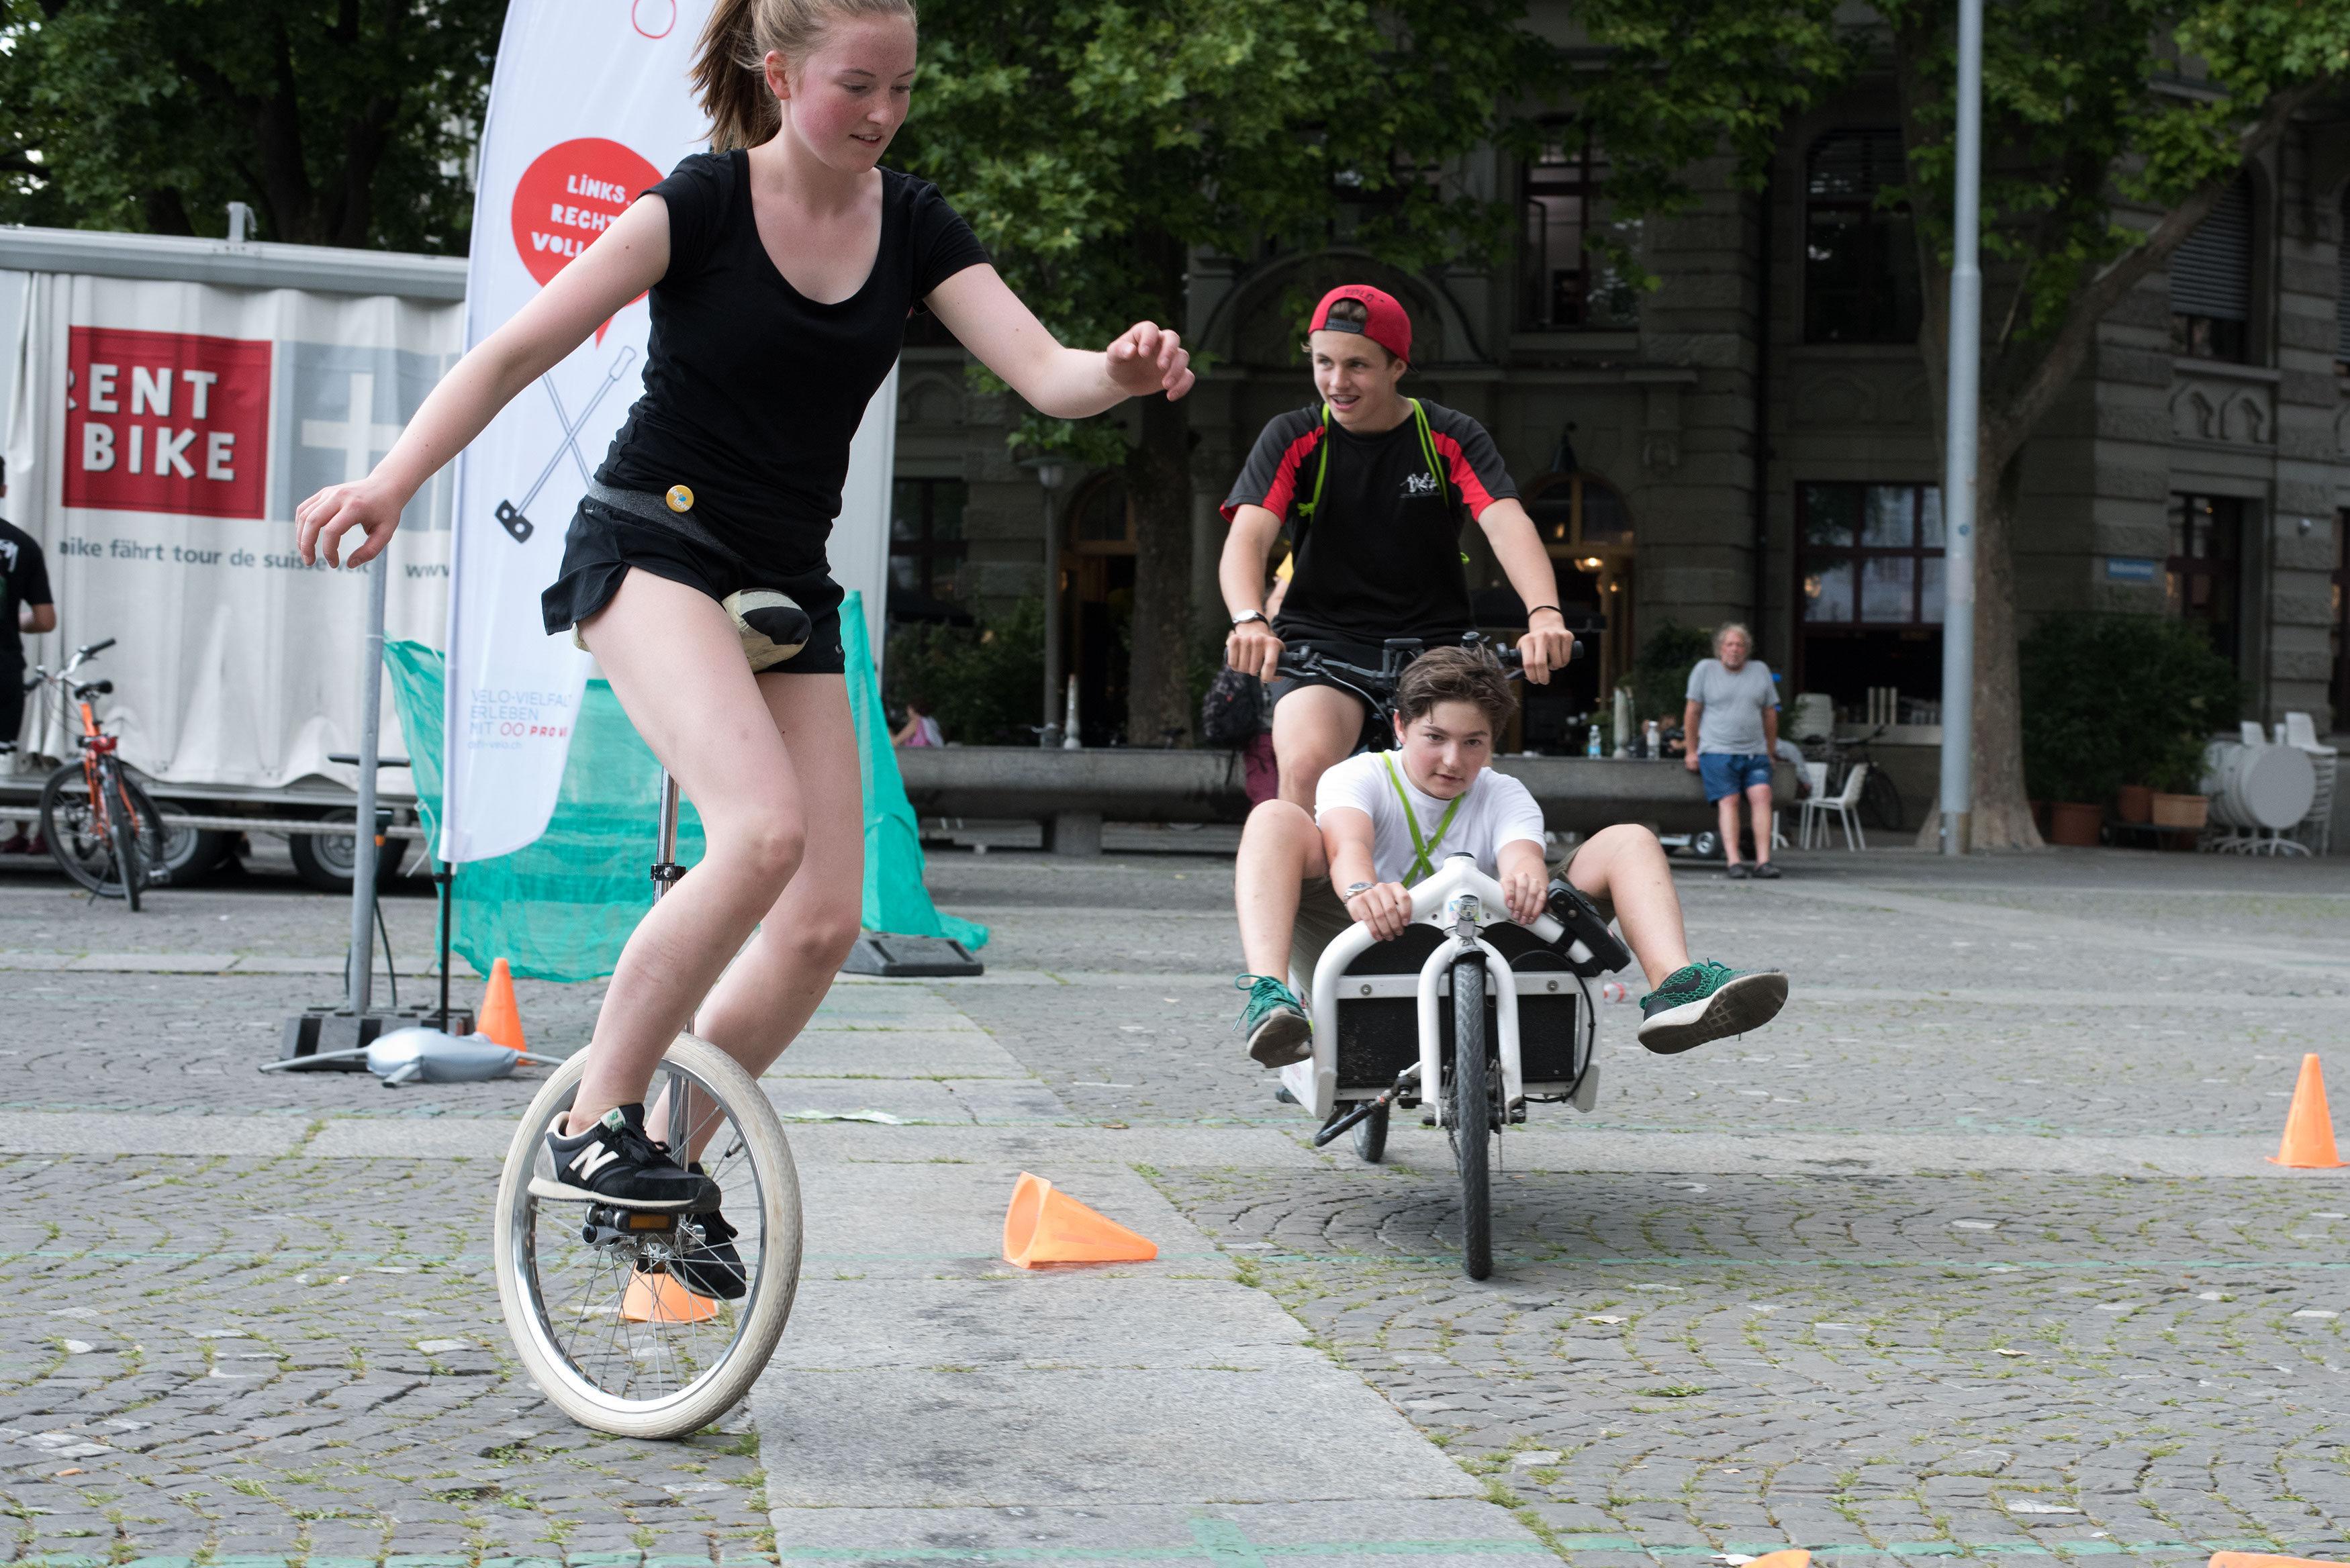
(1386, 820)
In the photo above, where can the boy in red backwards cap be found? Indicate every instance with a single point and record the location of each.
(1373, 485)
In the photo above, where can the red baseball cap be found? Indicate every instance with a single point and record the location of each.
(1388, 327)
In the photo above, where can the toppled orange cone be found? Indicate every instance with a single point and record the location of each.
(1793, 1557)
(2309, 1145)
(2262, 1560)
(499, 1019)
(657, 1298)
(1045, 1225)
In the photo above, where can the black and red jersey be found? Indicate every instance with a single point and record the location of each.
(1381, 556)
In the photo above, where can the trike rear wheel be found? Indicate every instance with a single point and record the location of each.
(1372, 1136)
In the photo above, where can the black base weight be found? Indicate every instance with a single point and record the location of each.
(322, 1030)
(910, 958)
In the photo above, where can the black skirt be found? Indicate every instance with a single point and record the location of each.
(604, 545)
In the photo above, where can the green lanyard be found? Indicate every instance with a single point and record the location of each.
(1420, 864)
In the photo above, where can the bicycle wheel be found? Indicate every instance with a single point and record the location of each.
(71, 825)
(1471, 1117)
(1372, 1136)
(614, 1338)
(1880, 802)
(130, 819)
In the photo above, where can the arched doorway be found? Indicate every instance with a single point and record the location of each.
(1097, 605)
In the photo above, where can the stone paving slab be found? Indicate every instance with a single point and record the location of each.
(897, 1053)
(1050, 1318)
(102, 1133)
(925, 1219)
(949, 1101)
(1436, 1532)
(884, 1437)
(1261, 1148)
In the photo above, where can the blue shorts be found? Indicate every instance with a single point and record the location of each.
(1727, 774)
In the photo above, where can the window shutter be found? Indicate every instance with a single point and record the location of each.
(2212, 274)
(2342, 290)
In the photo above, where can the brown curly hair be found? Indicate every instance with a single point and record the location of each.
(1456, 675)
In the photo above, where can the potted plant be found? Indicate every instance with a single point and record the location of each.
(2109, 699)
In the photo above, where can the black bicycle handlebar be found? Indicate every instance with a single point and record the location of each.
(94, 648)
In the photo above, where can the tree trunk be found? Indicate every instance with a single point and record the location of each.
(2001, 815)
(1158, 482)
(1159, 479)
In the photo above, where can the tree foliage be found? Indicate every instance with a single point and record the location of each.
(2111, 129)
(342, 122)
(1095, 143)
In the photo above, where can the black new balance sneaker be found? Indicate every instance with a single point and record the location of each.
(714, 1269)
(1705, 1000)
(615, 1163)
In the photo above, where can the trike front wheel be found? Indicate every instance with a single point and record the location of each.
(1469, 1115)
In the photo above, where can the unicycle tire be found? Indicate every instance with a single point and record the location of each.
(1470, 1117)
(613, 1340)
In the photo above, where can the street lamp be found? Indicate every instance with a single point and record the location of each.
(1049, 471)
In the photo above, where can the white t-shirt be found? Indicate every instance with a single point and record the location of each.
(1494, 810)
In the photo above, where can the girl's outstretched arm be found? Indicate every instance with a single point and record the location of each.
(627, 259)
(989, 319)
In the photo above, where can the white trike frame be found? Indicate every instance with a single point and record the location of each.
(1314, 1082)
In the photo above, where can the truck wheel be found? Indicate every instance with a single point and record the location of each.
(324, 860)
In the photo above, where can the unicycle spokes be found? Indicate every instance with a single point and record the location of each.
(594, 1296)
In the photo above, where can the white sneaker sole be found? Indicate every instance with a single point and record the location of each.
(561, 1192)
(1742, 1004)
(1281, 1038)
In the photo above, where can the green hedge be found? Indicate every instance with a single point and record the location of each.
(2110, 699)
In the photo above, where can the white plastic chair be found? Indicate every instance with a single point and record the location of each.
(1845, 808)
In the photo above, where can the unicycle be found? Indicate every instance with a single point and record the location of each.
(606, 1330)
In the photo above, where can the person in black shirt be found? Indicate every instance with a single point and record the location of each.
(25, 605)
(782, 267)
(1372, 487)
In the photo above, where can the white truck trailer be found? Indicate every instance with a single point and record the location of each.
(164, 405)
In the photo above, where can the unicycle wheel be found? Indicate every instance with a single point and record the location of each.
(611, 1334)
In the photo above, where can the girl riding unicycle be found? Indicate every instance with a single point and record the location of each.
(648, 1228)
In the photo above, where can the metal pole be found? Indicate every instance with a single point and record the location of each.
(1961, 480)
(665, 871)
(362, 960)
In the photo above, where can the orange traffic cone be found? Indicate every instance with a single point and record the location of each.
(657, 1298)
(498, 1018)
(1045, 1226)
(1793, 1557)
(2308, 1135)
(2262, 1560)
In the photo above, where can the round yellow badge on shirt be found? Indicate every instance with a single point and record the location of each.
(681, 499)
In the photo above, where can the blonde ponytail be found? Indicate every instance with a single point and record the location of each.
(730, 63)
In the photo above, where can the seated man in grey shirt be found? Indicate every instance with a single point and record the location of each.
(1732, 728)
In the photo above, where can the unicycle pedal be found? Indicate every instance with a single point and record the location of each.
(606, 1226)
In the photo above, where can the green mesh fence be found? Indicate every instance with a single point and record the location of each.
(561, 908)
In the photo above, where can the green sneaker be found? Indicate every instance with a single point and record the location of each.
(1705, 1000)
(1277, 1029)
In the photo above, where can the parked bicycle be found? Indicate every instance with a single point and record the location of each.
(1880, 802)
(101, 827)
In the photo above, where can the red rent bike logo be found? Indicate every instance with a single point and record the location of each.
(166, 422)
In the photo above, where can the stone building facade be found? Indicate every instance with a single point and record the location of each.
(1758, 438)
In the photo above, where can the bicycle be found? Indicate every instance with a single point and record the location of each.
(102, 828)
(1376, 689)
(1880, 802)
(605, 1327)
(1519, 1029)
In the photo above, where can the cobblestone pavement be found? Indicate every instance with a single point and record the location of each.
(245, 1361)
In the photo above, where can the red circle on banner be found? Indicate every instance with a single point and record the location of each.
(654, 18)
(569, 195)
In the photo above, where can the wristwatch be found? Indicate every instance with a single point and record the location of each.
(1241, 621)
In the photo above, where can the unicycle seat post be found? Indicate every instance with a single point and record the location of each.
(666, 870)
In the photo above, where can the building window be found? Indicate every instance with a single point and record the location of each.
(1566, 285)
(2199, 579)
(926, 542)
(2212, 282)
(1860, 259)
(2338, 622)
(1872, 554)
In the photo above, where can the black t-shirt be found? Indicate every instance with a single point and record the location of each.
(24, 580)
(1381, 556)
(754, 391)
